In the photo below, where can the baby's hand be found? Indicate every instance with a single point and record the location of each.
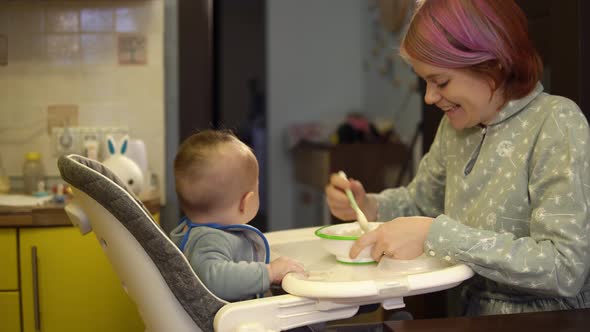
(278, 268)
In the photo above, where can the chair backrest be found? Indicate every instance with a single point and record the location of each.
(153, 271)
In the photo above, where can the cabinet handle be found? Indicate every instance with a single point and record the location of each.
(35, 288)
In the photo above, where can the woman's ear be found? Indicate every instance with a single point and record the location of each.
(246, 201)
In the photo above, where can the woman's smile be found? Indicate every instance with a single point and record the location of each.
(451, 111)
(466, 98)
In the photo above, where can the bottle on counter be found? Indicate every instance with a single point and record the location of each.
(33, 173)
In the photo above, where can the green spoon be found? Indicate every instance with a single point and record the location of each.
(360, 216)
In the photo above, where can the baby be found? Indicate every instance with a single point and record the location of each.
(217, 185)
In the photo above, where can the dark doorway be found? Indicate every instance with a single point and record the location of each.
(562, 37)
(195, 65)
(240, 89)
(222, 61)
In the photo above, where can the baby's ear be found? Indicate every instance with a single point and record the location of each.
(246, 199)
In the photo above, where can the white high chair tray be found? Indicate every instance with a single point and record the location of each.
(386, 282)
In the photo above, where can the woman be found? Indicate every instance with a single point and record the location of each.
(505, 187)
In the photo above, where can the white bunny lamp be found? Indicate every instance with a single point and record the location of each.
(124, 167)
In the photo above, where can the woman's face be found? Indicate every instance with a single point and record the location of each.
(465, 98)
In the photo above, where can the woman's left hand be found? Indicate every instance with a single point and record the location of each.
(400, 238)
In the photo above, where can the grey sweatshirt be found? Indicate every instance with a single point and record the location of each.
(511, 202)
(229, 262)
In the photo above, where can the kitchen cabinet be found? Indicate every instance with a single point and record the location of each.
(54, 279)
(8, 260)
(9, 295)
(376, 165)
(9, 311)
(67, 284)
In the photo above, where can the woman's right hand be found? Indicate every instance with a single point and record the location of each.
(340, 205)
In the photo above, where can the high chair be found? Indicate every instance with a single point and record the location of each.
(169, 295)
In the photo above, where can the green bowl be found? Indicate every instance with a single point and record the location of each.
(338, 239)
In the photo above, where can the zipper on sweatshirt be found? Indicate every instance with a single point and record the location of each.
(473, 159)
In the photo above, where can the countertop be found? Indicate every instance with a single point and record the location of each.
(565, 320)
(53, 214)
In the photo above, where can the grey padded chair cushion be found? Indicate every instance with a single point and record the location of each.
(107, 189)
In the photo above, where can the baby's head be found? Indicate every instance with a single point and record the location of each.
(216, 178)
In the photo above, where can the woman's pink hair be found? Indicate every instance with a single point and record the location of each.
(489, 37)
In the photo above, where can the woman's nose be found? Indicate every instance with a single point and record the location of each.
(431, 96)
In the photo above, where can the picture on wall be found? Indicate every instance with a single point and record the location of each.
(132, 49)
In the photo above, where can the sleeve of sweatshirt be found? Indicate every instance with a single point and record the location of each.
(212, 258)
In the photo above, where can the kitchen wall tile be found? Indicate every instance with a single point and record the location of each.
(63, 48)
(25, 18)
(156, 58)
(24, 135)
(151, 122)
(117, 111)
(128, 87)
(98, 48)
(132, 19)
(97, 113)
(103, 88)
(97, 20)
(13, 92)
(23, 47)
(62, 88)
(58, 19)
(65, 52)
(61, 19)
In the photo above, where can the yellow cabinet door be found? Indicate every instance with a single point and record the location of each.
(8, 260)
(67, 284)
(9, 312)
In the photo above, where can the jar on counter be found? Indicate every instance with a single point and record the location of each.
(33, 173)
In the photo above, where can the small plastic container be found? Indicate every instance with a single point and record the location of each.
(33, 173)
